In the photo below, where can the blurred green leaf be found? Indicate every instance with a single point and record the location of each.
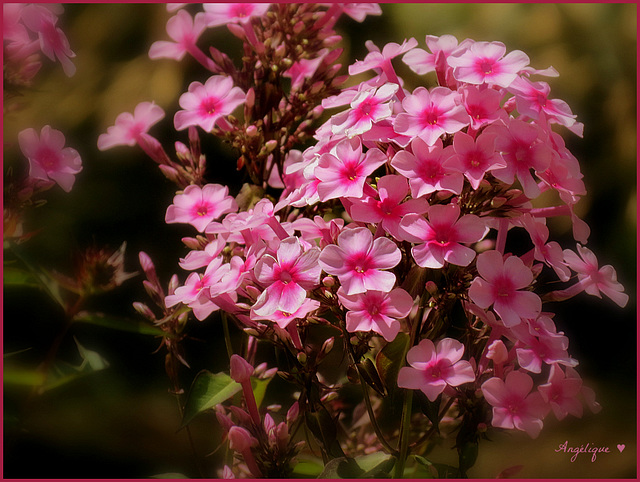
(439, 471)
(376, 465)
(323, 427)
(259, 387)
(341, 468)
(18, 277)
(308, 469)
(22, 376)
(63, 373)
(208, 390)
(121, 324)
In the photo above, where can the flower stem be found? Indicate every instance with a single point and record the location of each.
(404, 434)
(227, 335)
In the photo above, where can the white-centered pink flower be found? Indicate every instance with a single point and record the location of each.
(287, 277)
(486, 62)
(129, 127)
(440, 238)
(429, 114)
(376, 311)
(475, 157)
(595, 280)
(48, 158)
(205, 105)
(429, 168)
(434, 367)
(199, 206)
(343, 171)
(389, 209)
(184, 31)
(513, 404)
(502, 283)
(358, 261)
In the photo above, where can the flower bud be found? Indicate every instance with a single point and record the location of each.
(240, 439)
(328, 281)
(241, 369)
(174, 282)
(302, 357)
(169, 172)
(227, 473)
(252, 131)
(144, 310)
(293, 412)
(236, 30)
(497, 352)
(269, 424)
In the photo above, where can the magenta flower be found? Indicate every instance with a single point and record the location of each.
(367, 107)
(500, 284)
(434, 367)
(485, 62)
(390, 208)
(224, 13)
(288, 276)
(428, 168)
(376, 311)
(283, 318)
(303, 69)
(129, 127)
(474, 158)
(199, 206)
(595, 280)
(482, 105)
(439, 239)
(343, 171)
(513, 406)
(204, 105)
(48, 158)
(358, 260)
(184, 31)
(429, 114)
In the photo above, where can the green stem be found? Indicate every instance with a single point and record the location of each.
(404, 434)
(227, 335)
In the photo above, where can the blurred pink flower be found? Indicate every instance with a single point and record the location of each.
(129, 127)
(185, 31)
(434, 367)
(204, 105)
(199, 206)
(223, 13)
(48, 158)
(561, 393)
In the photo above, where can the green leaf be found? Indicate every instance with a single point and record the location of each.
(121, 324)
(308, 469)
(259, 387)
(376, 465)
(22, 376)
(323, 427)
(63, 373)
(17, 277)
(429, 408)
(440, 471)
(341, 468)
(208, 390)
(390, 359)
(371, 376)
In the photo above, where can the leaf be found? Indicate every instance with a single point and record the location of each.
(18, 277)
(121, 324)
(259, 387)
(22, 376)
(390, 359)
(371, 376)
(429, 408)
(467, 456)
(208, 390)
(440, 471)
(308, 469)
(91, 359)
(63, 373)
(376, 465)
(322, 426)
(341, 468)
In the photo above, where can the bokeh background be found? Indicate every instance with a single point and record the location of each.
(122, 422)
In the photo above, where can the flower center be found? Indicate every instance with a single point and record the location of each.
(431, 117)
(486, 67)
(202, 210)
(48, 159)
(208, 105)
(285, 277)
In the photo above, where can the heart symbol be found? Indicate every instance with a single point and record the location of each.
(621, 447)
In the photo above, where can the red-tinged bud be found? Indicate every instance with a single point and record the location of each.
(225, 422)
(269, 424)
(174, 282)
(332, 56)
(241, 369)
(183, 317)
(431, 287)
(182, 151)
(241, 415)
(328, 281)
(332, 40)
(317, 87)
(227, 473)
(236, 30)
(270, 373)
(251, 131)
(152, 291)
(170, 173)
(147, 266)
(298, 27)
(191, 243)
(240, 439)
(293, 412)
(253, 292)
(282, 436)
(144, 310)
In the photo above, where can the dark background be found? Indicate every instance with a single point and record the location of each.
(122, 422)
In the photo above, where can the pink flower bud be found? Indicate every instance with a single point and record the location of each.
(243, 417)
(252, 131)
(292, 413)
(241, 369)
(497, 352)
(144, 310)
(191, 243)
(225, 422)
(240, 439)
(269, 424)
(227, 473)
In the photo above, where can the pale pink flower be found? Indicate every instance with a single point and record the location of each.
(390, 208)
(500, 284)
(475, 157)
(184, 31)
(304, 69)
(367, 107)
(376, 59)
(522, 148)
(283, 318)
(429, 114)
(439, 239)
(485, 62)
(287, 277)
(513, 405)
(224, 13)
(359, 11)
(434, 367)
(595, 280)
(422, 62)
(199, 258)
(550, 253)
(129, 127)
(376, 311)
(199, 206)
(561, 393)
(532, 351)
(343, 171)
(428, 168)
(358, 260)
(48, 158)
(205, 105)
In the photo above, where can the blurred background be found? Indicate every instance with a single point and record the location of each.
(121, 421)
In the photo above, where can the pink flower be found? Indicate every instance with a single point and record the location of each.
(429, 114)
(129, 127)
(390, 209)
(303, 69)
(549, 253)
(223, 13)
(283, 318)
(482, 105)
(367, 107)
(595, 280)
(474, 158)
(381, 60)
(440, 238)
(485, 62)
(422, 62)
(428, 168)
(288, 277)
(500, 284)
(561, 393)
(199, 206)
(358, 261)
(48, 158)
(376, 311)
(185, 31)
(204, 105)
(434, 367)
(513, 406)
(343, 171)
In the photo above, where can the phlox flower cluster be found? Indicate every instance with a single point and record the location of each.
(394, 225)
